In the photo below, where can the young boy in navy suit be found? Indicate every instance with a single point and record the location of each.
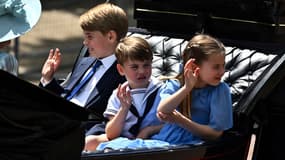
(103, 26)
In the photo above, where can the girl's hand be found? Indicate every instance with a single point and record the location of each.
(191, 72)
(124, 96)
(173, 117)
(149, 131)
(51, 65)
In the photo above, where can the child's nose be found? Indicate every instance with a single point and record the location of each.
(222, 70)
(141, 70)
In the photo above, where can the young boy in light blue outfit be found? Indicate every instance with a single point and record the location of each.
(132, 107)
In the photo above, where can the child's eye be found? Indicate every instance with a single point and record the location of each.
(217, 67)
(147, 65)
(134, 67)
(89, 37)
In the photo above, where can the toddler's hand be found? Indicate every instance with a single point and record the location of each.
(124, 96)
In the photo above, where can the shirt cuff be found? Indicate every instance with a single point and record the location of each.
(44, 82)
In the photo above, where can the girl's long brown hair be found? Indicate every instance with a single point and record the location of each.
(199, 48)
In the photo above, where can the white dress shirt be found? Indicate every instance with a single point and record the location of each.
(81, 97)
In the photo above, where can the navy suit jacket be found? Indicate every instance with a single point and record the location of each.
(98, 98)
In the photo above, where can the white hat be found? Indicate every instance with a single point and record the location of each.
(18, 17)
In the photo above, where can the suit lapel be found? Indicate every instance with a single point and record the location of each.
(77, 74)
(103, 83)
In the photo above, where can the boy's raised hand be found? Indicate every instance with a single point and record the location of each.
(51, 65)
(124, 96)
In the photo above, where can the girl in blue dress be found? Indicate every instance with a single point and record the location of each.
(205, 106)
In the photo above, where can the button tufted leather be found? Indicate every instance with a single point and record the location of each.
(166, 54)
(243, 67)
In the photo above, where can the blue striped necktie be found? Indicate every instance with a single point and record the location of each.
(84, 81)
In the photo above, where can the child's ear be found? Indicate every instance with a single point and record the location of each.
(112, 35)
(194, 66)
(120, 69)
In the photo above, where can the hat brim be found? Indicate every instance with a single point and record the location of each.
(12, 27)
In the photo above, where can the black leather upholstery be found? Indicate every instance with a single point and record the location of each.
(244, 66)
(167, 54)
(255, 20)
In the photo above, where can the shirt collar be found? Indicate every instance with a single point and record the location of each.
(154, 83)
(108, 61)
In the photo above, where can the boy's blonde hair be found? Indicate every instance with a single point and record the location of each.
(104, 18)
(133, 48)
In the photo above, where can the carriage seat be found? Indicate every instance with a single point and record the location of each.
(244, 68)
